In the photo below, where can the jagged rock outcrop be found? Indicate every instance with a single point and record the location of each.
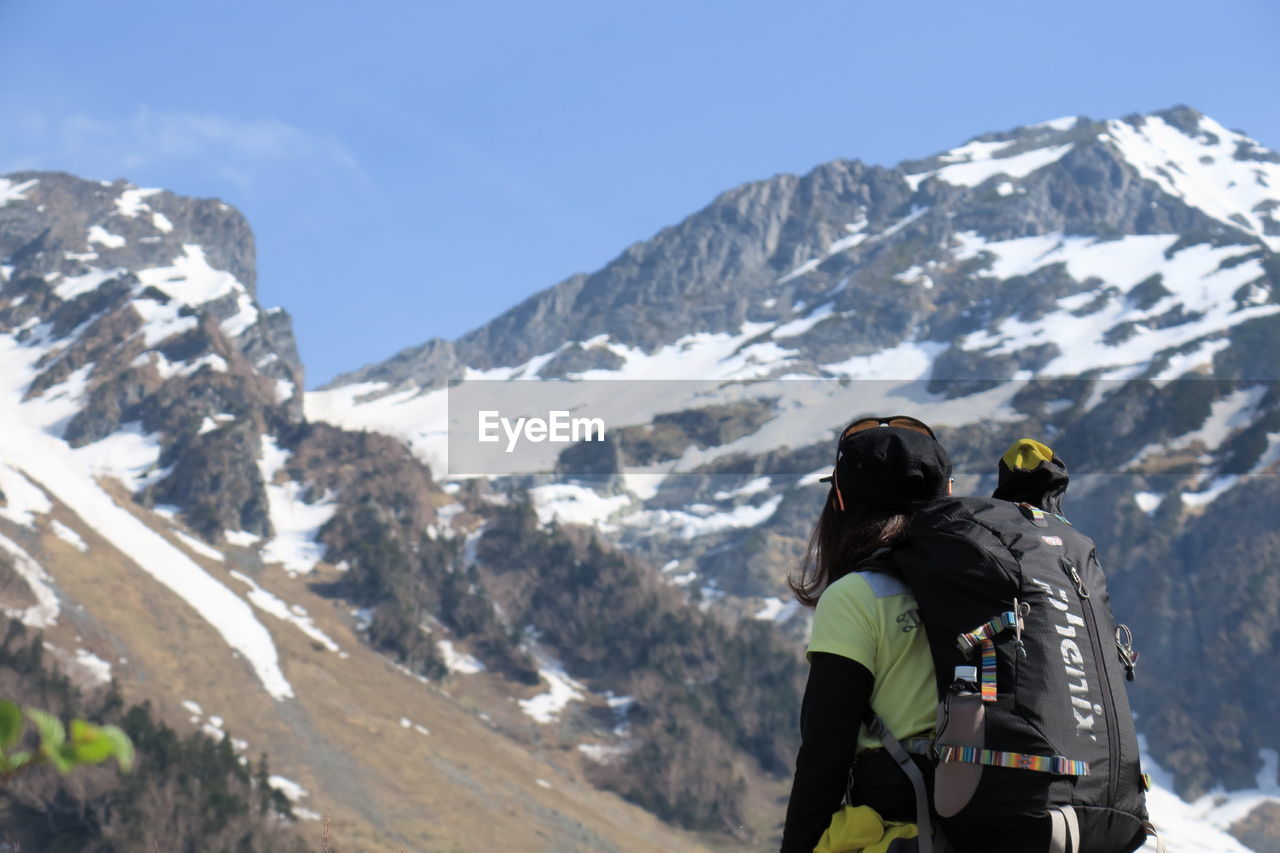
(144, 302)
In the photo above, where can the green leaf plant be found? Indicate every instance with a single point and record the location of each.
(86, 744)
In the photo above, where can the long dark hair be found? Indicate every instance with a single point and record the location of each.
(842, 539)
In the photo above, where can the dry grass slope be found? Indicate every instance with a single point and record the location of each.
(381, 786)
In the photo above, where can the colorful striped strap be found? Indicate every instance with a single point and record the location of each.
(988, 671)
(1057, 764)
(982, 638)
(966, 641)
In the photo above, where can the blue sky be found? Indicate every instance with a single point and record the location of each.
(411, 169)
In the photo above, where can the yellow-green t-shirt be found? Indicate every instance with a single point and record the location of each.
(872, 618)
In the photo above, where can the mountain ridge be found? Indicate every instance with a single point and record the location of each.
(754, 215)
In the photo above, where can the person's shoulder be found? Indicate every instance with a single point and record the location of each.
(866, 586)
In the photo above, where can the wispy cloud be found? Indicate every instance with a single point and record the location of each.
(237, 150)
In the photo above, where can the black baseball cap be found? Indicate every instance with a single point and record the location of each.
(890, 466)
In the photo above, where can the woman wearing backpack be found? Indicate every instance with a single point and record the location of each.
(970, 559)
(868, 649)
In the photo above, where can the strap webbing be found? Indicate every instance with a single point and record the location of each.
(1056, 764)
(1057, 832)
(988, 671)
(1150, 829)
(1065, 830)
(1073, 826)
(982, 637)
(966, 641)
(918, 745)
(924, 820)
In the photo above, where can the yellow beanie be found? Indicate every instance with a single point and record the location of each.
(1027, 453)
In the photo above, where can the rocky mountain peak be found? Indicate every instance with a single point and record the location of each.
(134, 313)
(68, 224)
(772, 251)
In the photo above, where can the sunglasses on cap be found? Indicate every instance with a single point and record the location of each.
(902, 421)
(862, 424)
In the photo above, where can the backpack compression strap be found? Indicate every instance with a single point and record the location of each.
(987, 630)
(924, 820)
(1150, 829)
(983, 637)
(1057, 764)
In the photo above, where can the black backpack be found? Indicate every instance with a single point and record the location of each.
(1018, 594)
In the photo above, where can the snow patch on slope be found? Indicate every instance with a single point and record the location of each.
(190, 280)
(70, 288)
(66, 534)
(97, 668)
(974, 172)
(420, 419)
(132, 202)
(703, 355)
(44, 613)
(1201, 826)
(857, 236)
(1198, 283)
(104, 238)
(199, 547)
(169, 369)
(547, 707)
(1203, 171)
(702, 520)
(456, 661)
(128, 455)
(295, 522)
(11, 191)
(798, 327)
(294, 614)
(24, 500)
(1226, 415)
(971, 164)
(48, 462)
(294, 793)
(907, 360)
(567, 503)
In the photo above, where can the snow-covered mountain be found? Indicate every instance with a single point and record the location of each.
(1108, 286)
(413, 642)
(161, 502)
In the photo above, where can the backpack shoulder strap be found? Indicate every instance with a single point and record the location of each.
(880, 560)
(924, 818)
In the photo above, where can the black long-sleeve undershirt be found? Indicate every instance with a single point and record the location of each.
(836, 699)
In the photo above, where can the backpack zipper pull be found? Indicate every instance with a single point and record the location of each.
(1020, 609)
(1128, 657)
(1075, 578)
